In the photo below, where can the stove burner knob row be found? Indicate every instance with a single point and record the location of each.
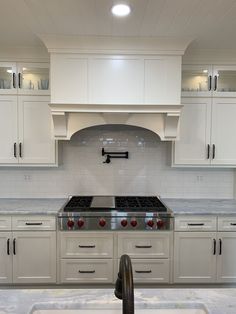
(102, 222)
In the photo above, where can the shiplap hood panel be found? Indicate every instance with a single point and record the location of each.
(131, 81)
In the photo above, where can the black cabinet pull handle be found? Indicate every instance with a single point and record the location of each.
(14, 80)
(14, 246)
(215, 85)
(14, 153)
(213, 151)
(220, 251)
(214, 247)
(8, 246)
(86, 271)
(209, 82)
(33, 223)
(143, 271)
(196, 224)
(87, 246)
(208, 151)
(20, 150)
(143, 246)
(233, 224)
(19, 80)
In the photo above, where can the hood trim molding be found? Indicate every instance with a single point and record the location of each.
(71, 118)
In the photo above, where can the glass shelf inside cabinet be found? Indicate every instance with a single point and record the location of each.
(195, 80)
(35, 78)
(5, 77)
(226, 81)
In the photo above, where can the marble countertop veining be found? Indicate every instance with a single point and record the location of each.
(35, 206)
(25, 301)
(201, 206)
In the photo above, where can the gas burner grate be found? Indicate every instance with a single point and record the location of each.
(126, 202)
(139, 202)
(149, 201)
(79, 201)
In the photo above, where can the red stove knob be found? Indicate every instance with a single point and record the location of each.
(124, 222)
(150, 223)
(160, 223)
(70, 223)
(102, 222)
(133, 222)
(80, 223)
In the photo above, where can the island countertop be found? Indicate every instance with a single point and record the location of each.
(201, 206)
(25, 301)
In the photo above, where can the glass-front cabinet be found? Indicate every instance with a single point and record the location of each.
(7, 78)
(24, 78)
(208, 80)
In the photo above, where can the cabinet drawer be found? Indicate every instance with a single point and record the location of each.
(5, 222)
(86, 271)
(227, 223)
(151, 271)
(34, 222)
(195, 223)
(82, 245)
(144, 245)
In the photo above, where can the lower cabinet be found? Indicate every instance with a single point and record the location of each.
(27, 257)
(205, 257)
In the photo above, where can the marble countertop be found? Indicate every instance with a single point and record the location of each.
(25, 301)
(201, 206)
(45, 206)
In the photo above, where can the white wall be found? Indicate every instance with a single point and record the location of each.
(147, 171)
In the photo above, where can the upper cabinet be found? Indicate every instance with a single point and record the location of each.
(208, 80)
(113, 79)
(24, 78)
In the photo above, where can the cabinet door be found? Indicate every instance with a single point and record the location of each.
(8, 129)
(193, 147)
(8, 79)
(162, 80)
(5, 257)
(33, 78)
(197, 80)
(116, 81)
(226, 260)
(195, 257)
(224, 81)
(223, 131)
(34, 257)
(35, 131)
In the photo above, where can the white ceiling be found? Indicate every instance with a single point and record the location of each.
(211, 23)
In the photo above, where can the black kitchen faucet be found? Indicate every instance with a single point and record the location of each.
(124, 287)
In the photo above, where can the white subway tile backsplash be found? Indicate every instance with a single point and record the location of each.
(146, 172)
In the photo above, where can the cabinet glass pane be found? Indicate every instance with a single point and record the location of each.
(5, 77)
(226, 81)
(195, 80)
(35, 78)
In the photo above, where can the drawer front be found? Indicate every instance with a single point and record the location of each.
(154, 271)
(82, 245)
(227, 223)
(144, 245)
(86, 271)
(5, 222)
(195, 223)
(34, 222)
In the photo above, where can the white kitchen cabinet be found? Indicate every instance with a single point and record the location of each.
(27, 256)
(207, 129)
(195, 257)
(8, 129)
(115, 79)
(5, 257)
(34, 257)
(26, 131)
(209, 80)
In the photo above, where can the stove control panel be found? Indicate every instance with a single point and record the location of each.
(118, 223)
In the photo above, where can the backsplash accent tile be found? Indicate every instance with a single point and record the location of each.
(146, 172)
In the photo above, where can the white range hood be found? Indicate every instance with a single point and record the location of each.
(97, 81)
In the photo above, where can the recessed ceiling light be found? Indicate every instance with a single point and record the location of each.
(121, 10)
